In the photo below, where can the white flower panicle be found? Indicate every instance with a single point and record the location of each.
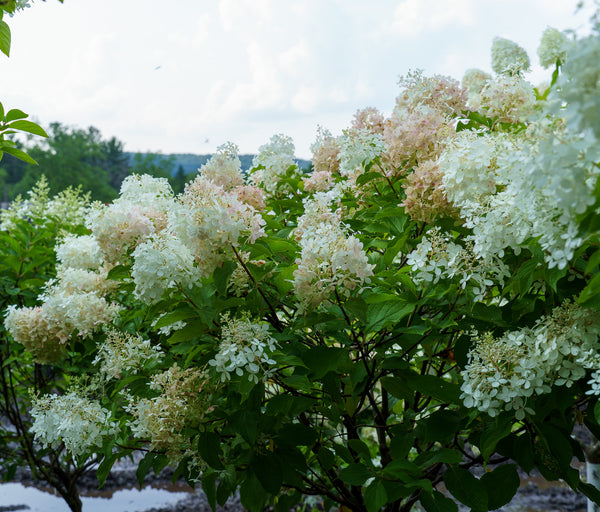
(357, 148)
(162, 264)
(77, 421)
(436, 257)
(508, 58)
(81, 252)
(553, 47)
(77, 280)
(124, 352)
(245, 348)
(210, 221)
(474, 80)
(277, 156)
(510, 99)
(503, 373)
(69, 207)
(146, 191)
(331, 261)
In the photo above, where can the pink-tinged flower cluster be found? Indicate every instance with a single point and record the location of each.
(332, 263)
(224, 167)
(119, 228)
(474, 80)
(326, 153)
(210, 221)
(250, 195)
(140, 211)
(508, 98)
(412, 136)
(425, 194)
(369, 119)
(28, 327)
(441, 93)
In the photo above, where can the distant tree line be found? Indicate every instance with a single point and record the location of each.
(77, 156)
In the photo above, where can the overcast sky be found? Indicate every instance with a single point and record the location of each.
(188, 75)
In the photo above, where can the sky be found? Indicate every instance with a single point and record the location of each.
(189, 75)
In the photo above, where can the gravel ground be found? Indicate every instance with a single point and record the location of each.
(535, 494)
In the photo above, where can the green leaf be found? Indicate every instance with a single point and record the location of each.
(144, 466)
(430, 385)
(252, 494)
(492, 435)
(269, 471)
(322, 360)
(443, 455)
(209, 446)
(375, 496)
(397, 387)
(104, 468)
(21, 155)
(386, 314)
(355, 474)
(437, 502)
(589, 296)
(501, 485)
(466, 488)
(2, 106)
(209, 486)
(296, 434)
(29, 127)
(4, 38)
(14, 114)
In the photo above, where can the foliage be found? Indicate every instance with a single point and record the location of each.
(352, 334)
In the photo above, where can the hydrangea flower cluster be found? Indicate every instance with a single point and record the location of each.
(474, 80)
(331, 262)
(368, 119)
(509, 98)
(358, 147)
(245, 348)
(183, 400)
(276, 157)
(508, 58)
(209, 221)
(503, 373)
(162, 264)
(70, 206)
(81, 252)
(553, 47)
(325, 160)
(75, 420)
(124, 352)
(436, 257)
(224, 167)
(425, 195)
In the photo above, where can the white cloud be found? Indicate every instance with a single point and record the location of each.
(416, 17)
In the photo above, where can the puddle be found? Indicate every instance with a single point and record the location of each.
(118, 500)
